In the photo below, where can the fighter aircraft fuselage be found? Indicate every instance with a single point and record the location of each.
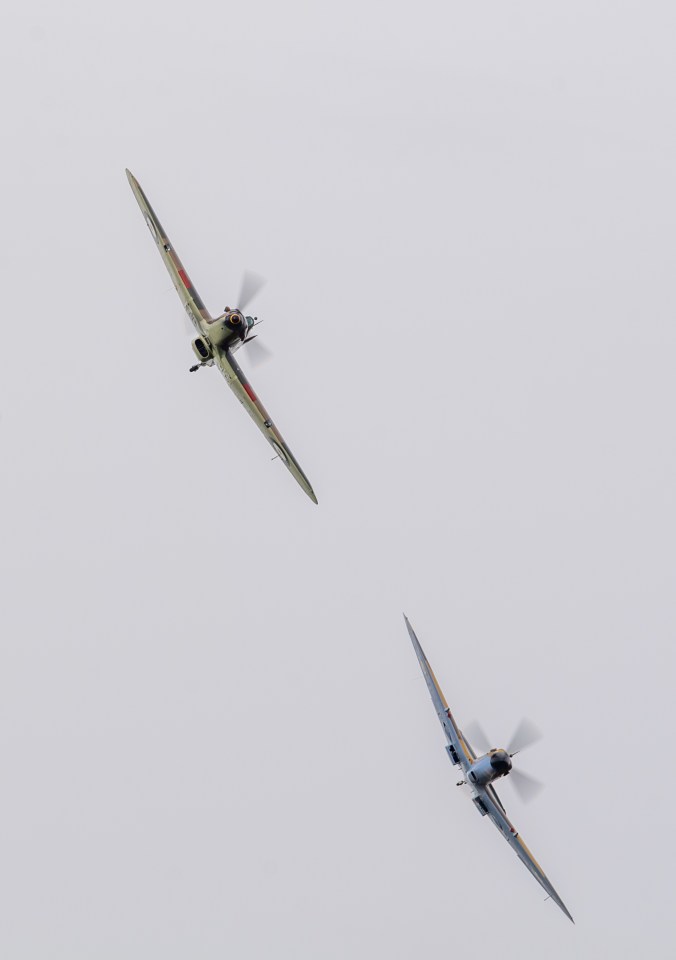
(490, 767)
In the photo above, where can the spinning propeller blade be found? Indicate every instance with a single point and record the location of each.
(525, 735)
(252, 283)
(477, 736)
(258, 352)
(526, 786)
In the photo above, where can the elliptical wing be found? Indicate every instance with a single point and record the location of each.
(506, 828)
(459, 750)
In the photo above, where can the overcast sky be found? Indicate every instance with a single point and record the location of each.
(214, 736)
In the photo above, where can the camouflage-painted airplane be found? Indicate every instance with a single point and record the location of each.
(481, 772)
(219, 337)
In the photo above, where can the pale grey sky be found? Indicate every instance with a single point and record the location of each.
(214, 734)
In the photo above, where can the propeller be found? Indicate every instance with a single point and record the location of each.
(526, 786)
(525, 735)
(258, 352)
(252, 284)
(477, 736)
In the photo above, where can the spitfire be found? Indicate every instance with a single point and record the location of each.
(481, 772)
(220, 337)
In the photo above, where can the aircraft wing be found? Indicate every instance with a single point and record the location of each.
(497, 814)
(458, 748)
(190, 298)
(242, 389)
(492, 793)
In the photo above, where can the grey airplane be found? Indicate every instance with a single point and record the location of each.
(219, 337)
(481, 772)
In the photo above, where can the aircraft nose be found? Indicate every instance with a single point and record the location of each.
(501, 762)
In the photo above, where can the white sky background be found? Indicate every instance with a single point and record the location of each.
(214, 735)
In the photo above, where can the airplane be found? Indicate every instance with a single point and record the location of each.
(480, 773)
(219, 337)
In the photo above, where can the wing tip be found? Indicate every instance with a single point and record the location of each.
(413, 636)
(302, 480)
(561, 905)
(309, 491)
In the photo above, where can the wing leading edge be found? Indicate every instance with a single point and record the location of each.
(190, 298)
(487, 795)
(463, 751)
(243, 390)
(506, 828)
